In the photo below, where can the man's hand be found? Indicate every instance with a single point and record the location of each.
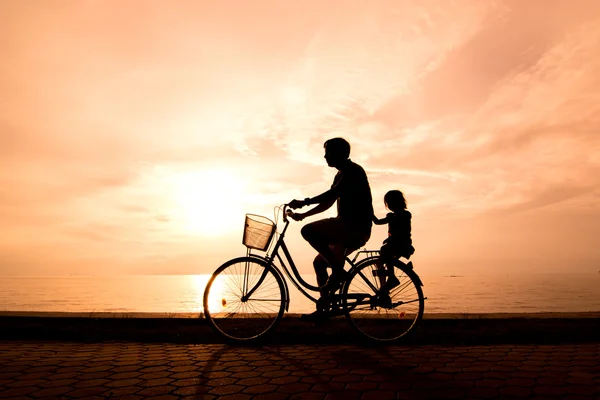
(296, 204)
(297, 216)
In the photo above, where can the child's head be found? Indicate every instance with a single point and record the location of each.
(394, 201)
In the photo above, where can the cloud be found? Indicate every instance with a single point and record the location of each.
(534, 133)
(356, 63)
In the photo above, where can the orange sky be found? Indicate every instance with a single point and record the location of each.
(120, 121)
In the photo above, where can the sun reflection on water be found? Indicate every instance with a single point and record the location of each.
(200, 282)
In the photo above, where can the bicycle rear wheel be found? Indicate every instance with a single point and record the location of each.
(244, 299)
(374, 319)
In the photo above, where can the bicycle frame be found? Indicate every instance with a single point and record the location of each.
(294, 276)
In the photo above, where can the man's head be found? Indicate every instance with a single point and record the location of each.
(337, 150)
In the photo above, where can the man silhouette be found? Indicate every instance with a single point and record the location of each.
(334, 238)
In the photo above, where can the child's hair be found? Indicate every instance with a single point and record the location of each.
(394, 200)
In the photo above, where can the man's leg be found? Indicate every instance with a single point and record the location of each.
(321, 235)
(320, 264)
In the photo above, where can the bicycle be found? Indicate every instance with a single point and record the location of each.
(246, 297)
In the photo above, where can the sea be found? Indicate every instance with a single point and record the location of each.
(172, 294)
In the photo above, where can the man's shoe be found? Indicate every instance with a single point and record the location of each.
(317, 316)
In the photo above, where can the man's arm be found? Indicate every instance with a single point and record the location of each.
(324, 201)
(322, 206)
(328, 197)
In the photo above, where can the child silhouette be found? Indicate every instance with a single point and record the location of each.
(399, 242)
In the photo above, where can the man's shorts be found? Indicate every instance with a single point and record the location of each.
(338, 233)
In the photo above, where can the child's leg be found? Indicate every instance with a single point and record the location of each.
(381, 268)
(391, 280)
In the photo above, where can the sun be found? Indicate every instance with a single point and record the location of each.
(209, 202)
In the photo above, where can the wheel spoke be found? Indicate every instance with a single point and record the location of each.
(228, 310)
(369, 313)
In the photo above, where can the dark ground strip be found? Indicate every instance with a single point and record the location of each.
(449, 331)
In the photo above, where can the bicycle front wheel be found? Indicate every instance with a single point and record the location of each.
(383, 321)
(244, 299)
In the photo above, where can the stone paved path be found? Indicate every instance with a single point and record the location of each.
(169, 371)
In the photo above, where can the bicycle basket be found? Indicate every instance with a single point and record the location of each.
(258, 231)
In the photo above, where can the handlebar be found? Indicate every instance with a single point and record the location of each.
(286, 213)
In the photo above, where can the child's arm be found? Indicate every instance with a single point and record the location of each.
(381, 221)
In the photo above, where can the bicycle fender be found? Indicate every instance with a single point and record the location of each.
(409, 270)
(363, 261)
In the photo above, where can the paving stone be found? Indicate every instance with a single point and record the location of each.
(252, 381)
(184, 368)
(51, 392)
(347, 378)
(87, 392)
(270, 396)
(483, 393)
(472, 376)
(25, 382)
(549, 391)
(327, 387)
(157, 382)
(191, 390)
(582, 381)
(155, 391)
(379, 395)
(448, 393)
(362, 386)
(96, 369)
(264, 388)
(163, 397)
(343, 395)
(275, 374)
(85, 383)
(123, 382)
(217, 374)
(493, 383)
(583, 390)
(220, 381)
(284, 380)
(122, 391)
(186, 382)
(15, 392)
(155, 375)
(308, 396)
(440, 376)
(10, 375)
(226, 389)
(515, 391)
(237, 396)
(525, 382)
(293, 388)
(399, 385)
